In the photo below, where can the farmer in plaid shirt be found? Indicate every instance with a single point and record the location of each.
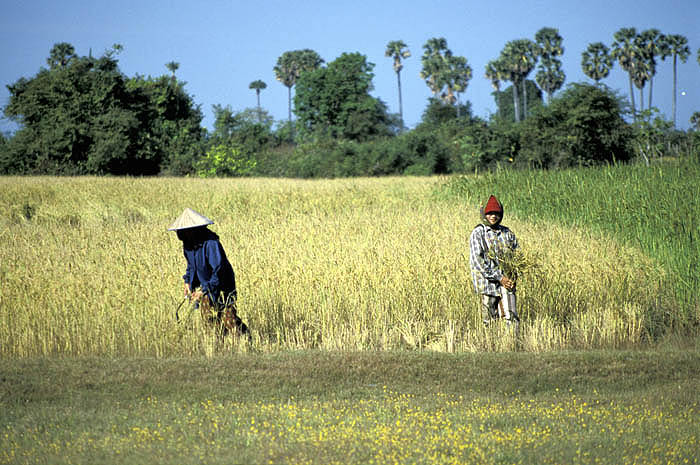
(496, 290)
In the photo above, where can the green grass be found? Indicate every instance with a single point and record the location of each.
(654, 208)
(355, 407)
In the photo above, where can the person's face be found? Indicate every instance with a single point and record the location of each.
(185, 235)
(493, 218)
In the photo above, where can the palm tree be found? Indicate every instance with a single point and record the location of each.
(434, 61)
(550, 76)
(596, 61)
(172, 67)
(518, 60)
(625, 52)
(398, 50)
(677, 47)
(494, 72)
(444, 73)
(651, 44)
(258, 85)
(289, 67)
(459, 76)
(695, 117)
(61, 54)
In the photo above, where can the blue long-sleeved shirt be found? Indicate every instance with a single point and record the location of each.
(485, 271)
(208, 267)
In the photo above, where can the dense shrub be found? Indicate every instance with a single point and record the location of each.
(583, 126)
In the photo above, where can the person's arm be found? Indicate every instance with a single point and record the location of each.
(190, 276)
(215, 257)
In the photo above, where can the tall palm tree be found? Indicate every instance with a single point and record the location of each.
(444, 73)
(258, 85)
(494, 72)
(625, 52)
(550, 76)
(459, 76)
(398, 50)
(651, 44)
(677, 47)
(434, 62)
(289, 67)
(596, 61)
(518, 60)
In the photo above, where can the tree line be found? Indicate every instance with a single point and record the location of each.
(82, 115)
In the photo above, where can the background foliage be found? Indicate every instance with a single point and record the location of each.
(82, 115)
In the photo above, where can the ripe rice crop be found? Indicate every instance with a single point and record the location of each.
(88, 268)
(655, 209)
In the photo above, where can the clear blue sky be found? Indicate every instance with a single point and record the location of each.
(222, 46)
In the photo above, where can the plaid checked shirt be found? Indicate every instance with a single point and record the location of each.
(485, 271)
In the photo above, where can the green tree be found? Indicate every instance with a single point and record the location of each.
(437, 113)
(457, 80)
(224, 160)
(258, 85)
(651, 44)
(695, 119)
(494, 73)
(172, 67)
(515, 63)
(398, 51)
(433, 61)
(677, 46)
(60, 55)
(550, 75)
(445, 74)
(83, 116)
(336, 100)
(172, 123)
(504, 100)
(582, 126)
(248, 131)
(624, 50)
(289, 67)
(596, 61)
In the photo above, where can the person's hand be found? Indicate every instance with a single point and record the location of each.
(507, 283)
(187, 289)
(196, 295)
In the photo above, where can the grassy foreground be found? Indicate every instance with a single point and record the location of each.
(364, 407)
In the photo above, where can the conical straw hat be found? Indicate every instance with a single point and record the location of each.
(190, 219)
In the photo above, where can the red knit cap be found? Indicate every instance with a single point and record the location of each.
(493, 206)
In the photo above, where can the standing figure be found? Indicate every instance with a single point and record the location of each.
(209, 279)
(495, 289)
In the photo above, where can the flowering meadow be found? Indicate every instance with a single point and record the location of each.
(391, 428)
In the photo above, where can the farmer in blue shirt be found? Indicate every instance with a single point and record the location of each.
(209, 279)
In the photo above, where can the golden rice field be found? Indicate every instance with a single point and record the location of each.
(89, 268)
(393, 428)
